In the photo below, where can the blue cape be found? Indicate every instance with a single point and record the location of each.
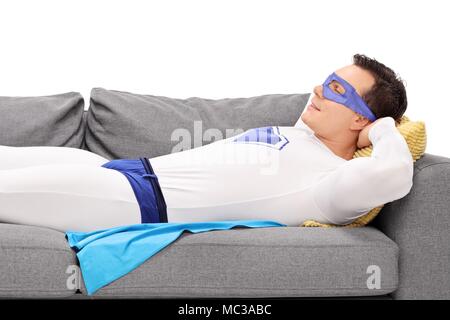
(108, 254)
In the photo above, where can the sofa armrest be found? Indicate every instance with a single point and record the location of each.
(420, 225)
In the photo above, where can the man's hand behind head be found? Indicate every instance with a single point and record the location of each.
(363, 139)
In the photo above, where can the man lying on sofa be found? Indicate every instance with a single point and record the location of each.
(118, 213)
(312, 174)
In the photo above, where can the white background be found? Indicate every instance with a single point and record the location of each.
(220, 49)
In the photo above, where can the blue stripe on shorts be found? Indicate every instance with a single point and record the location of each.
(144, 182)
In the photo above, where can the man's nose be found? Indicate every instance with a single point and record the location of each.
(318, 91)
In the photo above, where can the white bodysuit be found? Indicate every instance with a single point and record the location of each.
(284, 174)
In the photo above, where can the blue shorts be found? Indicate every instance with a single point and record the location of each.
(145, 185)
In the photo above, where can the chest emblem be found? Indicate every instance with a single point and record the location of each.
(264, 136)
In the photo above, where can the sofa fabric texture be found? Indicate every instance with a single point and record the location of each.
(54, 120)
(34, 262)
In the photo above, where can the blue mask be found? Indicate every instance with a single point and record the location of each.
(350, 98)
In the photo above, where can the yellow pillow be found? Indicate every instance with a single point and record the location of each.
(415, 135)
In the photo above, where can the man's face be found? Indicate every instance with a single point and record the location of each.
(332, 117)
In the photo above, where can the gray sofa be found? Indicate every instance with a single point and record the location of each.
(403, 254)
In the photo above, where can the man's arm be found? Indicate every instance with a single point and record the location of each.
(362, 184)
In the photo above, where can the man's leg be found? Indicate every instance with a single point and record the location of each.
(21, 157)
(67, 197)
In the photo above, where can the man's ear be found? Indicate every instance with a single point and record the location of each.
(360, 122)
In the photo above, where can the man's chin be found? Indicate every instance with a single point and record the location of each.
(306, 122)
(304, 118)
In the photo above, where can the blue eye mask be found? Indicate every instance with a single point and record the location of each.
(350, 98)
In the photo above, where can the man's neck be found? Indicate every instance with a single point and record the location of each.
(342, 150)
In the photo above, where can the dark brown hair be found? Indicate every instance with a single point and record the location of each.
(387, 97)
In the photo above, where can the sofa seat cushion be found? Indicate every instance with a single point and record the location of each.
(266, 262)
(34, 262)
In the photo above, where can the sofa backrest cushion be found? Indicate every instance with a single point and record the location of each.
(54, 120)
(127, 125)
